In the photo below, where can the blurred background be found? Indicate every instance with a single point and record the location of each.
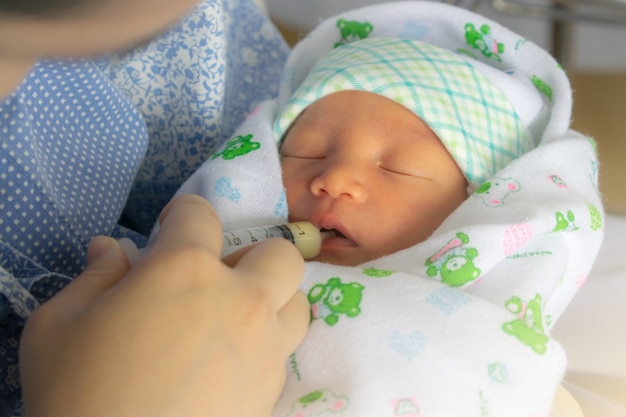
(588, 37)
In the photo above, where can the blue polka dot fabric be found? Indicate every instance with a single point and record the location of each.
(87, 146)
(62, 133)
(71, 145)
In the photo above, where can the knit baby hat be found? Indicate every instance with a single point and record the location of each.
(469, 105)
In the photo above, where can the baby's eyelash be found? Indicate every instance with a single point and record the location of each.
(395, 171)
(303, 156)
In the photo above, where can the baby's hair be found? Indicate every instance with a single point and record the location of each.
(43, 8)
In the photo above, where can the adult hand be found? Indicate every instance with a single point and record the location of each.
(180, 333)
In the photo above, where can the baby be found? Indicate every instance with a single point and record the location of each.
(395, 133)
(436, 144)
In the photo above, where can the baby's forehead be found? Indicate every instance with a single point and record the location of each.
(347, 104)
(354, 112)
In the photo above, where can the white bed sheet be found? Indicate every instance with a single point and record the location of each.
(593, 330)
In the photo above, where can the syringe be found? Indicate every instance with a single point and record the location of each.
(304, 235)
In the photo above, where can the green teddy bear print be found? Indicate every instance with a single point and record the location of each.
(318, 403)
(331, 300)
(377, 273)
(528, 327)
(565, 222)
(596, 218)
(454, 262)
(542, 86)
(238, 146)
(352, 30)
(495, 191)
(406, 407)
(483, 41)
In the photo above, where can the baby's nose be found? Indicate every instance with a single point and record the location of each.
(340, 182)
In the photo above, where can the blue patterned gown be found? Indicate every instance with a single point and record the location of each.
(88, 145)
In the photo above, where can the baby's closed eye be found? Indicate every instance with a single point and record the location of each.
(301, 156)
(400, 165)
(396, 170)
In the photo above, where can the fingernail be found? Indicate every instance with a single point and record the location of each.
(130, 250)
(101, 246)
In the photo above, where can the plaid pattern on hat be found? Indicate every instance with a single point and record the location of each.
(470, 115)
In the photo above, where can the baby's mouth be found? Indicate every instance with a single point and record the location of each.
(337, 239)
(335, 231)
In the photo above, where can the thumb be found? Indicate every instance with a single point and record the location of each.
(99, 246)
(106, 265)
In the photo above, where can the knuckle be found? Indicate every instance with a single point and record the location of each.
(255, 306)
(195, 200)
(255, 311)
(285, 253)
(188, 207)
(191, 261)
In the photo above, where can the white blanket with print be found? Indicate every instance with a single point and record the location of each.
(458, 325)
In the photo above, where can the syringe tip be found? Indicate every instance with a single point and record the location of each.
(327, 234)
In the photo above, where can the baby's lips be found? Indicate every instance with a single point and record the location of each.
(338, 238)
(326, 222)
(331, 233)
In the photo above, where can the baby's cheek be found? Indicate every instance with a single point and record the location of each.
(297, 200)
(409, 233)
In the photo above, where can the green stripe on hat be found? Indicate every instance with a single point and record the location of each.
(470, 115)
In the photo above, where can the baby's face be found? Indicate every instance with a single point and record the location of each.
(369, 168)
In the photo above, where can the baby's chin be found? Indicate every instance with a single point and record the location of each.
(351, 257)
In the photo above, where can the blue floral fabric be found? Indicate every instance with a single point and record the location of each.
(194, 88)
(85, 146)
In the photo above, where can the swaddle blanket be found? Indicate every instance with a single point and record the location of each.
(458, 325)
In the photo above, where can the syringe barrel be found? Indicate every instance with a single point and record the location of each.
(304, 235)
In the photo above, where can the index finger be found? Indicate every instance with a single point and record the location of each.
(189, 219)
(274, 268)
